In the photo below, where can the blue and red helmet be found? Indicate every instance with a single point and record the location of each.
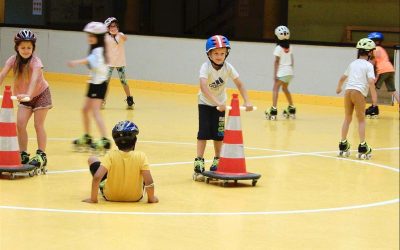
(216, 42)
(124, 134)
(376, 36)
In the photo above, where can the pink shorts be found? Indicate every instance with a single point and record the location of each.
(42, 101)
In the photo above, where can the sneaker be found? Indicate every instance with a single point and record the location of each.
(199, 165)
(24, 157)
(214, 165)
(39, 160)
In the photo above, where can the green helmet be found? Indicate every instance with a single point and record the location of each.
(366, 44)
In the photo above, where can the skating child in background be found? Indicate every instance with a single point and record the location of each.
(115, 43)
(124, 173)
(29, 82)
(359, 77)
(384, 70)
(214, 76)
(96, 61)
(283, 73)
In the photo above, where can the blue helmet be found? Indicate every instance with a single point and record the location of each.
(124, 134)
(216, 42)
(376, 36)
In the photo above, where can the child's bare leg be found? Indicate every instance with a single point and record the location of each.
(39, 118)
(201, 147)
(126, 89)
(23, 116)
(217, 148)
(285, 90)
(359, 107)
(85, 115)
(275, 92)
(95, 106)
(348, 114)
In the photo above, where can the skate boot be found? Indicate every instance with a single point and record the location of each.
(83, 143)
(198, 169)
(271, 115)
(364, 151)
(39, 161)
(214, 165)
(102, 145)
(130, 102)
(372, 112)
(344, 149)
(290, 112)
(24, 157)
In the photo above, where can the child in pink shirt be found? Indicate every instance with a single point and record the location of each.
(115, 42)
(384, 70)
(29, 82)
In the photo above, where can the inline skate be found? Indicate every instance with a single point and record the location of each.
(24, 157)
(101, 146)
(364, 151)
(290, 112)
(214, 165)
(39, 161)
(130, 102)
(271, 115)
(83, 143)
(372, 112)
(198, 169)
(344, 149)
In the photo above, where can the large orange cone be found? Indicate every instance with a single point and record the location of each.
(232, 163)
(9, 148)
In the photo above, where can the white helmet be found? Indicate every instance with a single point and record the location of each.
(366, 44)
(282, 32)
(96, 28)
(109, 20)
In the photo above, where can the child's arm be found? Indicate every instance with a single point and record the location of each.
(101, 171)
(73, 63)
(4, 73)
(149, 186)
(207, 93)
(374, 95)
(340, 84)
(276, 66)
(243, 92)
(123, 36)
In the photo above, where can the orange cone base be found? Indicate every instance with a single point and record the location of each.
(231, 176)
(20, 168)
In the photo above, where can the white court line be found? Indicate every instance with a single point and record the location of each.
(303, 211)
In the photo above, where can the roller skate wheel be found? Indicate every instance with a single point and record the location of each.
(207, 180)
(273, 118)
(368, 116)
(38, 171)
(347, 154)
(285, 115)
(253, 183)
(375, 116)
(31, 173)
(12, 176)
(293, 116)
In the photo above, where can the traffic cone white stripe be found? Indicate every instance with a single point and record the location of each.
(9, 144)
(7, 115)
(232, 151)
(233, 123)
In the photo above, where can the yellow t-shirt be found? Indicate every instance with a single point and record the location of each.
(124, 181)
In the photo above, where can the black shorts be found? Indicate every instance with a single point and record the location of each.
(388, 78)
(97, 91)
(211, 123)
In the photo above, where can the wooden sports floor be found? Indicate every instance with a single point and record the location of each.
(307, 197)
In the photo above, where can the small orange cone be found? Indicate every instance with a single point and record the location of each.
(232, 163)
(9, 148)
(10, 159)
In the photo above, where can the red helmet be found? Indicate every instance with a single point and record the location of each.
(25, 35)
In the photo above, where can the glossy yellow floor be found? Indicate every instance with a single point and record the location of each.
(307, 198)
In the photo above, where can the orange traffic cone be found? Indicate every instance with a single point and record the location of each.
(10, 159)
(232, 163)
